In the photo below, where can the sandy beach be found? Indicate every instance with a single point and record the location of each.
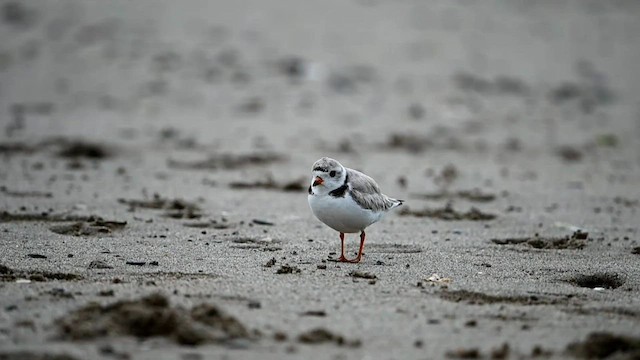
(155, 158)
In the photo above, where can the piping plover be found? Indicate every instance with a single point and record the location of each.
(346, 200)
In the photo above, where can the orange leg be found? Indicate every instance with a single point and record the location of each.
(342, 257)
(359, 257)
(362, 237)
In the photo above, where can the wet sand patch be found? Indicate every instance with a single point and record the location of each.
(152, 316)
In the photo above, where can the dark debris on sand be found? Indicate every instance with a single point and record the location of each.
(152, 316)
(228, 161)
(9, 275)
(587, 97)
(288, 269)
(321, 336)
(588, 92)
(569, 153)
(6, 216)
(475, 195)
(265, 243)
(99, 264)
(578, 240)
(13, 148)
(501, 85)
(440, 139)
(447, 213)
(61, 147)
(270, 184)
(33, 355)
(270, 263)
(22, 194)
(93, 226)
(601, 345)
(318, 313)
(82, 149)
(464, 353)
(158, 202)
(501, 352)
(211, 224)
(409, 142)
(174, 208)
(626, 202)
(362, 275)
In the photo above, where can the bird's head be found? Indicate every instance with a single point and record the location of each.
(327, 174)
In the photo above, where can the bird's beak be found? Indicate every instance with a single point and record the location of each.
(318, 181)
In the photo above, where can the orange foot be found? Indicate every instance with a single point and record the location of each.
(354, 261)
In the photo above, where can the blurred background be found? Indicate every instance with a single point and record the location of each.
(438, 81)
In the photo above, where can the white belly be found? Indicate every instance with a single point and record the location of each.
(342, 214)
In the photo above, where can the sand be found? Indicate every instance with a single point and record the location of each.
(155, 156)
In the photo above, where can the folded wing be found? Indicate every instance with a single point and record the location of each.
(366, 192)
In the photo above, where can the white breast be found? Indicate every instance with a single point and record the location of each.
(342, 214)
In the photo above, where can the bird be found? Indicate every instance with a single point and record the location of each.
(346, 200)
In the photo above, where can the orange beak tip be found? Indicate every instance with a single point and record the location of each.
(318, 181)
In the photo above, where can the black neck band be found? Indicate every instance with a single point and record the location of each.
(342, 190)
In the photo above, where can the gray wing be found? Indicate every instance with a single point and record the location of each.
(366, 192)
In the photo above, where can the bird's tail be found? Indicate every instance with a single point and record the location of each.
(396, 203)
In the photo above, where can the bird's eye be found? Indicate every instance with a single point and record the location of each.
(332, 173)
